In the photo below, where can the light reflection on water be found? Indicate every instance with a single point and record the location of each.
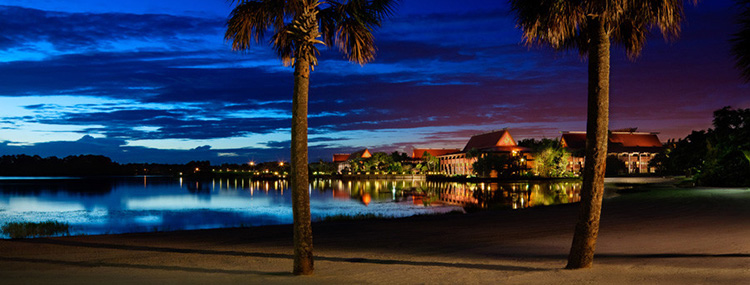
(143, 204)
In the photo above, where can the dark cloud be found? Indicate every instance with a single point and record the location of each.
(37, 106)
(278, 144)
(84, 30)
(326, 139)
(400, 50)
(137, 75)
(170, 124)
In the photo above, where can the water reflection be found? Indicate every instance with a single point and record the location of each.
(141, 204)
(514, 195)
(70, 185)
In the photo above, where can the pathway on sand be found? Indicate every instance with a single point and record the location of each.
(672, 236)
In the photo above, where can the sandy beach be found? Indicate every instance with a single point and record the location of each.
(664, 236)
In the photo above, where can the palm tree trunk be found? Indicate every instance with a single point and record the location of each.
(587, 228)
(303, 245)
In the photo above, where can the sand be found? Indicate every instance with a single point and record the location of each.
(664, 236)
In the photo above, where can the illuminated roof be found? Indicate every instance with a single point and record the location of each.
(489, 141)
(418, 152)
(340, 157)
(573, 140)
(360, 154)
(618, 141)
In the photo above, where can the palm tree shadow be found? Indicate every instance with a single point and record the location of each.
(496, 267)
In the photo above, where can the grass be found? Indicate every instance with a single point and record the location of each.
(737, 198)
(29, 229)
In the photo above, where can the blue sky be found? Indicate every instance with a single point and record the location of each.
(154, 81)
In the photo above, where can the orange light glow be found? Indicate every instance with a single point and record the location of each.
(366, 199)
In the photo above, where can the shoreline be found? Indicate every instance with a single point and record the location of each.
(664, 235)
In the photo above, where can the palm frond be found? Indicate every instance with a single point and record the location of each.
(639, 17)
(741, 40)
(349, 26)
(560, 23)
(579, 41)
(551, 23)
(250, 19)
(298, 25)
(329, 18)
(667, 15)
(630, 33)
(283, 43)
(384, 8)
(355, 41)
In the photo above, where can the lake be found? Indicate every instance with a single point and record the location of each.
(146, 204)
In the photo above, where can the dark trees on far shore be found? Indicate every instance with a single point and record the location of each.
(719, 156)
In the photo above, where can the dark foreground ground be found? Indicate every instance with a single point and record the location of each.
(665, 236)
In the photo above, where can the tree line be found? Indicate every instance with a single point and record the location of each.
(74, 165)
(87, 165)
(719, 156)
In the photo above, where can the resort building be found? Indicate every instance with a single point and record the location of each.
(342, 159)
(495, 142)
(633, 148)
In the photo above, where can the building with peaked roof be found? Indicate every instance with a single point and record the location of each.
(342, 159)
(491, 141)
(365, 153)
(494, 142)
(633, 148)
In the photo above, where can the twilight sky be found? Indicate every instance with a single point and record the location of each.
(154, 81)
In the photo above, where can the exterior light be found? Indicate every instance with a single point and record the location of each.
(252, 163)
(281, 163)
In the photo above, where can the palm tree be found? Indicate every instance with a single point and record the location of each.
(589, 26)
(298, 26)
(741, 39)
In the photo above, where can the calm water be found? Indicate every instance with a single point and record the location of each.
(143, 204)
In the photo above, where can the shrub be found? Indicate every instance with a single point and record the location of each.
(615, 166)
(29, 229)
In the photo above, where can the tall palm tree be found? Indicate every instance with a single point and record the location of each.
(589, 26)
(741, 39)
(297, 26)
